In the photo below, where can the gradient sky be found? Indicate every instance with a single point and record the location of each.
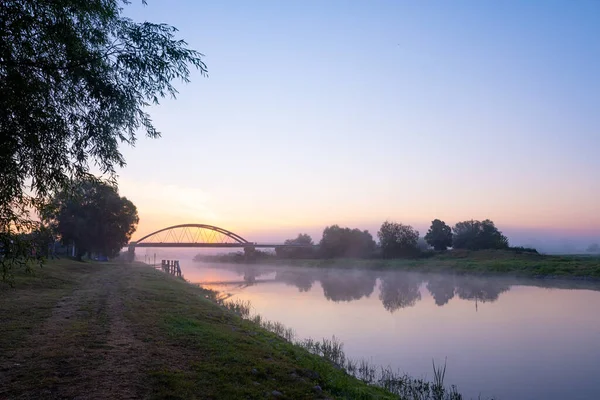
(353, 112)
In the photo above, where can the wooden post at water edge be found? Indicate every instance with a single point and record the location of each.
(171, 267)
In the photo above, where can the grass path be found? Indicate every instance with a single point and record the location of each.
(84, 348)
(98, 331)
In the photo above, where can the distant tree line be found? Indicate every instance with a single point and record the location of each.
(346, 242)
(399, 240)
(304, 249)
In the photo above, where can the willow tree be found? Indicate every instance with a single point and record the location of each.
(76, 77)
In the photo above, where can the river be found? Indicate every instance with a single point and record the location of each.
(501, 338)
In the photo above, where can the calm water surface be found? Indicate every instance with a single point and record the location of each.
(501, 337)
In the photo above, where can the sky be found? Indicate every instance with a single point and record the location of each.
(356, 112)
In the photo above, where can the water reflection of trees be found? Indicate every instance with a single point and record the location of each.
(402, 290)
(302, 279)
(480, 289)
(337, 285)
(398, 290)
(347, 286)
(442, 289)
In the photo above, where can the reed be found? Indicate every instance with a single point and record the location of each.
(332, 350)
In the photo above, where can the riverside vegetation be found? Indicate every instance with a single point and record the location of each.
(116, 329)
(395, 382)
(477, 247)
(478, 262)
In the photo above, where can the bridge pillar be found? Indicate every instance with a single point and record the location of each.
(131, 253)
(249, 253)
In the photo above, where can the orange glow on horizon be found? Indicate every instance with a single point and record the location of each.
(250, 229)
(279, 219)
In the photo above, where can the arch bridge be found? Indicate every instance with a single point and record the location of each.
(200, 235)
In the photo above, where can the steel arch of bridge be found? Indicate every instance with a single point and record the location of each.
(237, 239)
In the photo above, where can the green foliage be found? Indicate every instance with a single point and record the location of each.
(75, 79)
(303, 239)
(93, 216)
(397, 240)
(521, 249)
(346, 242)
(439, 235)
(236, 257)
(423, 246)
(23, 250)
(478, 235)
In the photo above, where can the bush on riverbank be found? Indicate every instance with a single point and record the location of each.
(237, 257)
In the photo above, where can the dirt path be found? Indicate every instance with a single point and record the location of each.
(86, 349)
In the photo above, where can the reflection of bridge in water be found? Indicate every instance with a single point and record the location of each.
(202, 236)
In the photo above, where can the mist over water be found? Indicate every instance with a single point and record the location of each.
(502, 337)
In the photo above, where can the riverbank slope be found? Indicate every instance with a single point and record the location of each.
(98, 331)
(483, 262)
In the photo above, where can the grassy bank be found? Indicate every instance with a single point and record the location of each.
(116, 331)
(400, 384)
(493, 262)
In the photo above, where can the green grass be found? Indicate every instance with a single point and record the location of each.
(33, 298)
(403, 386)
(236, 359)
(108, 330)
(493, 262)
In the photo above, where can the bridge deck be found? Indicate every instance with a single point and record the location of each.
(220, 245)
